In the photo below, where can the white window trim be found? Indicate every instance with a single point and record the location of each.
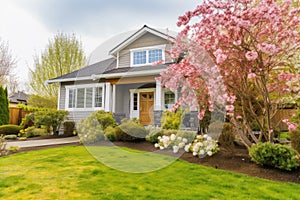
(147, 49)
(93, 108)
(163, 97)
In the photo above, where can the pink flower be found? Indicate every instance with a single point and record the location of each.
(201, 114)
(220, 57)
(251, 55)
(251, 75)
(239, 117)
(229, 108)
(267, 48)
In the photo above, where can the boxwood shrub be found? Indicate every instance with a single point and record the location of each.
(130, 131)
(9, 129)
(274, 155)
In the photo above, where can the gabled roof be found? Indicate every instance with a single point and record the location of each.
(86, 72)
(139, 33)
(18, 97)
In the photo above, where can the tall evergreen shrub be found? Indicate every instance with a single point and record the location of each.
(4, 110)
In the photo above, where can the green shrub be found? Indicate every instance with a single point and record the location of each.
(227, 136)
(33, 132)
(27, 121)
(89, 130)
(10, 137)
(171, 120)
(153, 133)
(130, 131)
(170, 132)
(9, 129)
(69, 127)
(110, 133)
(105, 119)
(189, 135)
(274, 155)
(295, 140)
(4, 114)
(52, 119)
(3, 150)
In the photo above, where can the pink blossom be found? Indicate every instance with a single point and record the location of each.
(251, 55)
(229, 108)
(239, 117)
(269, 49)
(251, 75)
(201, 114)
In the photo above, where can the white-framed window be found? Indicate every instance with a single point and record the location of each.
(85, 97)
(169, 99)
(147, 55)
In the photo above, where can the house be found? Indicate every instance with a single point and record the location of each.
(18, 98)
(125, 82)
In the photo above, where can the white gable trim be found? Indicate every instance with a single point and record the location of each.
(137, 35)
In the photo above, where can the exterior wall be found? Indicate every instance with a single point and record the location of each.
(146, 40)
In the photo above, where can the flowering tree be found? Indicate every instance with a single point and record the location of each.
(240, 53)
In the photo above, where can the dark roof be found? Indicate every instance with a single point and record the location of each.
(96, 68)
(18, 97)
(135, 69)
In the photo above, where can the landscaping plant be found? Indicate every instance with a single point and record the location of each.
(274, 155)
(4, 112)
(3, 150)
(237, 54)
(171, 120)
(130, 131)
(9, 129)
(295, 139)
(89, 129)
(203, 145)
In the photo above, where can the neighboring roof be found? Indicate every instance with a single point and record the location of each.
(18, 97)
(86, 72)
(161, 33)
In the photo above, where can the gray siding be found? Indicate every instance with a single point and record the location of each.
(78, 115)
(123, 99)
(146, 40)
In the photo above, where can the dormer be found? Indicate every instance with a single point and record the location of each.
(145, 47)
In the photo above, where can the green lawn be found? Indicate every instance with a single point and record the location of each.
(72, 173)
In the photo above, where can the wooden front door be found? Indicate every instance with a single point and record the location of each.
(146, 108)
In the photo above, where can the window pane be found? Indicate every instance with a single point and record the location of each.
(98, 97)
(155, 55)
(135, 101)
(80, 98)
(169, 99)
(72, 94)
(139, 57)
(89, 98)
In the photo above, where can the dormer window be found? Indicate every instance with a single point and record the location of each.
(147, 55)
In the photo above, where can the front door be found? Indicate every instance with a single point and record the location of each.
(146, 108)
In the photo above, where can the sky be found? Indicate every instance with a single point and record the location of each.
(27, 25)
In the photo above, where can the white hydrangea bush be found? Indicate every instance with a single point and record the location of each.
(172, 141)
(202, 145)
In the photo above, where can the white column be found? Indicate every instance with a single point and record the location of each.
(107, 97)
(158, 96)
(113, 98)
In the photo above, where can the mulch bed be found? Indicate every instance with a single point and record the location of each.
(236, 160)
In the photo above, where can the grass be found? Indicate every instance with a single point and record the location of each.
(73, 173)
